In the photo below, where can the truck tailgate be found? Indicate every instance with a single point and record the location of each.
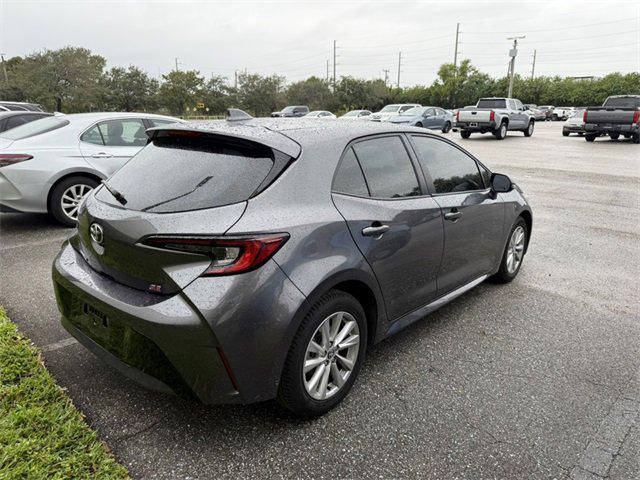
(617, 116)
(474, 115)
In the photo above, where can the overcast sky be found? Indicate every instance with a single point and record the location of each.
(295, 38)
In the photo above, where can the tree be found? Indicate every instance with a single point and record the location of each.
(313, 92)
(260, 95)
(129, 90)
(217, 95)
(181, 90)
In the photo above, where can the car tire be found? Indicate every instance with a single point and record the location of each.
(447, 127)
(465, 133)
(293, 392)
(565, 133)
(508, 271)
(63, 194)
(501, 131)
(590, 137)
(529, 130)
(636, 137)
(614, 135)
(419, 124)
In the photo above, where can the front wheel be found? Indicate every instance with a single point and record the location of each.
(529, 131)
(501, 131)
(325, 356)
(636, 137)
(66, 197)
(565, 133)
(513, 253)
(419, 124)
(590, 137)
(447, 127)
(465, 133)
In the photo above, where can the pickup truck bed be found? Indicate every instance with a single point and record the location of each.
(614, 118)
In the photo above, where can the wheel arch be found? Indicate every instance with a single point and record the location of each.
(528, 219)
(75, 173)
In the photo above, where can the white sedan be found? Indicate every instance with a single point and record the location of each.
(49, 165)
(356, 115)
(319, 114)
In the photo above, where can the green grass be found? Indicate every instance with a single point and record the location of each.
(42, 435)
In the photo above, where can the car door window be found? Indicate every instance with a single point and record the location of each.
(123, 133)
(451, 169)
(349, 178)
(519, 105)
(486, 176)
(430, 112)
(387, 167)
(93, 135)
(405, 108)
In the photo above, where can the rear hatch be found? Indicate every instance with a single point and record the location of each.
(184, 183)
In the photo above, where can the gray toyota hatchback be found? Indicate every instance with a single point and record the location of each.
(244, 260)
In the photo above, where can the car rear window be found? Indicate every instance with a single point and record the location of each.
(177, 173)
(492, 103)
(32, 129)
(624, 102)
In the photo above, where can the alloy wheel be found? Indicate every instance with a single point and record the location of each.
(331, 355)
(71, 199)
(515, 250)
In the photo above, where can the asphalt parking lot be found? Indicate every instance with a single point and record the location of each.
(535, 379)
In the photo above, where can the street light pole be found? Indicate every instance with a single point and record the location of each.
(513, 53)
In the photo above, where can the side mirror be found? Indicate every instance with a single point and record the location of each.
(500, 183)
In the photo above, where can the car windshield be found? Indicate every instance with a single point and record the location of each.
(624, 102)
(492, 103)
(390, 108)
(313, 114)
(352, 113)
(413, 112)
(177, 173)
(34, 128)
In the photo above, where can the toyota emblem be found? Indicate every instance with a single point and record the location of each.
(97, 234)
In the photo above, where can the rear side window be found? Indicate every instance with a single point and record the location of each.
(37, 127)
(623, 102)
(349, 178)
(387, 168)
(492, 103)
(178, 173)
(117, 133)
(450, 168)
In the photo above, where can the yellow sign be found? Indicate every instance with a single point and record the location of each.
(200, 105)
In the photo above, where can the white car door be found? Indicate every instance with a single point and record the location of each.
(108, 145)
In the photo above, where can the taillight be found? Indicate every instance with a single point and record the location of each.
(458, 116)
(229, 255)
(636, 117)
(13, 158)
(492, 116)
(584, 117)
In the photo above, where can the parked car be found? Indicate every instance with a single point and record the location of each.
(538, 114)
(292, 111)
(618, 115)
(19, 107)
(561, 113)
(434, 118)
(391, 111)
(226, 285)
(495, 115)
(320, 114)
(548, 110)
(13, 119)
(356, 115)
(574, 124)
(51, 164)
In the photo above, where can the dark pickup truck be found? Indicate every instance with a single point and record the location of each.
(618, 115)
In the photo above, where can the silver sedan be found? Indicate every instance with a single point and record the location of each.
(49, 165)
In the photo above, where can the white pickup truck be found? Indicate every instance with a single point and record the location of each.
(495, 115)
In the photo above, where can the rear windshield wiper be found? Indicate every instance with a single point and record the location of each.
(202, 182)
(116, 194)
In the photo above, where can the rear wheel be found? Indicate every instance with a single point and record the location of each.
(465, 133)
(66, 197)
(614, 135)
(447, 127)
(529, 131)
(419, 124)
(636, 137)
(565, 133)
(590, 137)
(501, 131)
(325, 356)
(513, 253)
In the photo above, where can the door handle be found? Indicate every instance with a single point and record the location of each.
(375, 230)
(453, 215)
(102, 155)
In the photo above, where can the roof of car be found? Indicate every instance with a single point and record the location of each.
(99, 115)
(11, 113)
(289, 134)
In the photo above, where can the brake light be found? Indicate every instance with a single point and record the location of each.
(229, 255)
(458, 116)
(492, 116)
(584, 117)
(13, 158)
(636, 116)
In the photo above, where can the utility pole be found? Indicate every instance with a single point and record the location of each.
(4, 68)
(455, 54)
(512, 66)
(386, 76)
(399, 66)
(533, 66)
(327, 71)
(334, 64)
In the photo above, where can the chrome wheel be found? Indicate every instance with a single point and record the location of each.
(71, 198)
(530, 128)
(515, 249)
(503, 130)
(331, 355)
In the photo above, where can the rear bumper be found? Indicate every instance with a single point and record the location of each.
(611, 127)
(476, 126)
(20, 194)
(573, 128)
(206, 341)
